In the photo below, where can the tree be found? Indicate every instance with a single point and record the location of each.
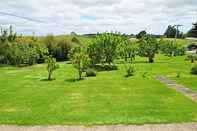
(141, 34)
(51, 66)
(79, 60)
(193, 31)
(148, 47)
(103, 48)
(170, 48)
(171, 32)
(128, 49)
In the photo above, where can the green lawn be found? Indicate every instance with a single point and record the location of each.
(110, 98)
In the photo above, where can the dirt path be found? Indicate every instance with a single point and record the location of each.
(182, 89)
(160, 127)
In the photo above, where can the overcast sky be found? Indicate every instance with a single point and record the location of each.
(91, 16)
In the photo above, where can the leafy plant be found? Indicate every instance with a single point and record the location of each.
(51, 66)
(192, 57)
(148, 47)
(128, 50)
(194, 70)
(103, 48)
(178, 74)
(144, 75)
(79, 59)
(129, 70)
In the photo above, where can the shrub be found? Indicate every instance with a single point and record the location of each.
(194, 69)
(90, 73)
(192, 57)
(178, 74)
(105, 67)
(129, 71)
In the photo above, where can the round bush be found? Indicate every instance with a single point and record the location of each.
(194, 70)
(90, 73)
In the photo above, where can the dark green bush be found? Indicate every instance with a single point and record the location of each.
(90, 73)
(194, 70)
(104, 67)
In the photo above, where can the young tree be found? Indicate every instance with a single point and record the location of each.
(79, 59)
(148, 47)
(51, 66)
(128, 49)
(103, 49)
(170, 48)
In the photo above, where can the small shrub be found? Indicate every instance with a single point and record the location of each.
(191, 57)
(104, 67)
(144, 75)
(129, 71)
(90, 73)
(194, 70)
(178, 74)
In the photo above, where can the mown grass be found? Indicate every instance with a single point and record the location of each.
(110, 98)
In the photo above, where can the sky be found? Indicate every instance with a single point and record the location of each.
(91, 16)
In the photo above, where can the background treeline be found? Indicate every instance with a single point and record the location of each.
(29, 50)
(103, 48)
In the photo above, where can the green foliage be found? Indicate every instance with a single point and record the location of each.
(141, 34)
(79, 59)
(103, 67)
(191, 57)
(171, 32)
(75, 40)
(90, 72)
(103, 48)
(193, 32)
(129, 70)
(178, 74)
(148, 47)
(20, 50)
(51, 66)
(194, 70)
(170, 48)
(58, 47)
(127, 49)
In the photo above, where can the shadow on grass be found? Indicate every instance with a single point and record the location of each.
(47, 80)
(74, 80)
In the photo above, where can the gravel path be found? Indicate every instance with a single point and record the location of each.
(160, 127)
(182, 89)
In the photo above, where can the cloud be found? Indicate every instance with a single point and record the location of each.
(91, 16)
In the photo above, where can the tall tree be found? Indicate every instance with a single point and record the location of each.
(148, 47)
(141, 34)
(193, 31)
(171, 32)
(103, 48)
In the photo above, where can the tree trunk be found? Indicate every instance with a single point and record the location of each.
(80, 74)
(49, 76)
(192, 60)
(151, 60)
